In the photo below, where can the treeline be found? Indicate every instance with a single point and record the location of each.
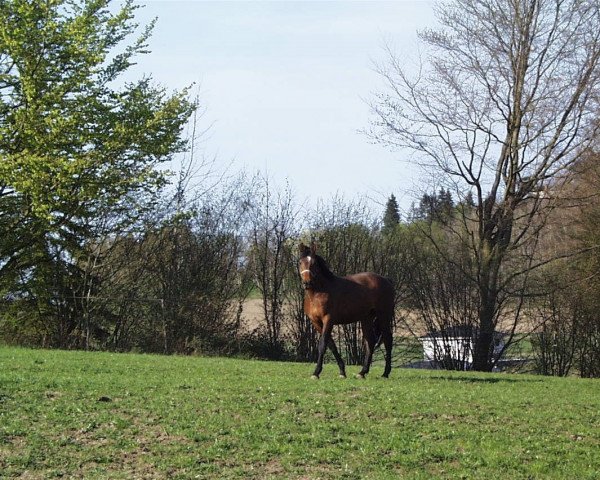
(177, 280)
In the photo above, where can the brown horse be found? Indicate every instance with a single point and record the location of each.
(330, 300)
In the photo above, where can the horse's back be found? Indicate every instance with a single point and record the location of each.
(370, 280)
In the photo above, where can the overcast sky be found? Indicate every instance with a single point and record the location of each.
(285, 83)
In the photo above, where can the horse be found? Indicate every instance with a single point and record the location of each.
(330, 300)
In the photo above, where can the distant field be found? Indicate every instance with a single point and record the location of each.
(101, 415)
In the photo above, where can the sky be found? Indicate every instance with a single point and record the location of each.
(284, 87)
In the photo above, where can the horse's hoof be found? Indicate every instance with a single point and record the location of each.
(342, 375)
(360, 376)
(314, 377)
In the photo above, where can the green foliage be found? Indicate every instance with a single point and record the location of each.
(98, 415)
(194, 273)
(78, 148)
(68, 138)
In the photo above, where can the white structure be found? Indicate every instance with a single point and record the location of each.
(453, 347)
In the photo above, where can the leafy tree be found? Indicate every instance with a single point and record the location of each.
(446, 204)
(76, 144)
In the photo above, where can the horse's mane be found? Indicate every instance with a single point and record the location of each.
(324, 268)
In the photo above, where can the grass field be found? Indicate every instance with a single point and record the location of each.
(101, 415)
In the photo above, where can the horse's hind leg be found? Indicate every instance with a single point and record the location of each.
(370, 340)
(385, 322)
(388, 341)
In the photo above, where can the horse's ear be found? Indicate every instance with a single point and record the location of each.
(313, 249)
(303, 249)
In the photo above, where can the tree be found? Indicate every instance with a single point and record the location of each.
(569, 336)
(434, 207)
(503, 106)
(555, 344)
(74, 146)
(271, 259)
(391, 217)
(586, 233)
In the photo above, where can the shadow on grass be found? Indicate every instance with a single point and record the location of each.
(491, 379)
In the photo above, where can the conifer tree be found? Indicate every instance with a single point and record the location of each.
(391, 217)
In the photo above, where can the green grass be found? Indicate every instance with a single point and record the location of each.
(101, 415)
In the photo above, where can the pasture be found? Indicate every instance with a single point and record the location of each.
(123, 416)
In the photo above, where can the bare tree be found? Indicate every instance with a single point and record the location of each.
(555, 344)
(503, 104)
(569, 336)
(273, 226)
(302, 335)
(445, 301)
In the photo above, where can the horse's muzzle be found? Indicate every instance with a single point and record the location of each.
(307, 285)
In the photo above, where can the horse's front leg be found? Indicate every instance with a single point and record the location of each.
(338, 357)
(323, 341)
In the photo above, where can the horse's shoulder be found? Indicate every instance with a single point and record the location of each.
(315, 303)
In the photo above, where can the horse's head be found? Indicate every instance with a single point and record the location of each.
(307, 265)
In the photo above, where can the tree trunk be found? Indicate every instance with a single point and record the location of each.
(482, 354)
(496, 233)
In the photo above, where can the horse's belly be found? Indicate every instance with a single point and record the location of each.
(351, 312)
